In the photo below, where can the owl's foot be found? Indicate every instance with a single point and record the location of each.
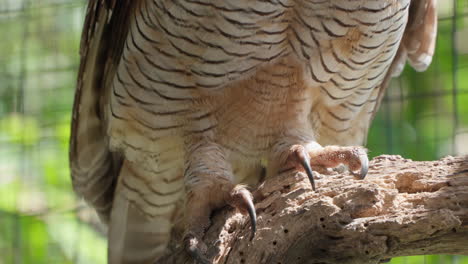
(199, 211)
(329, 157)
(196, 248)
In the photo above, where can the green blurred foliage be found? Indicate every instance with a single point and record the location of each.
(423, 115)
(38, 62)
(14, 127)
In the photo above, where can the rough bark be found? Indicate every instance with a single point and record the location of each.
(402, 208)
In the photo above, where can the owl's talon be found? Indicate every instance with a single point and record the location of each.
(304, 160)
(304, 157)
(195, 248)
(253, 218)
(217, 242)
(252, 215)
(242, 199)
(357, 159)
(364, 166)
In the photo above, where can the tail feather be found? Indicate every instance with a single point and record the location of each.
(135, 237)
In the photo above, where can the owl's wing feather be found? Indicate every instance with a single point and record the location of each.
(94, 168)
(420, 34)
(418, 43)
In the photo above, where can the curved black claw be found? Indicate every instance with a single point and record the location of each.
(192, 246)
(253, 216)
(364, 166)
(304, 160)
(242, 199)
(309, 173)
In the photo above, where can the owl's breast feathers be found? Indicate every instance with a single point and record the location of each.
(241, 72)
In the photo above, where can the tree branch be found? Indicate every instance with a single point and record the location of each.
(402, 208)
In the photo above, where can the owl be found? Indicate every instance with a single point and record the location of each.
(182, 104)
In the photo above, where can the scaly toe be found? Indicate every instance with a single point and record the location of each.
(196, 248)
(355, 158)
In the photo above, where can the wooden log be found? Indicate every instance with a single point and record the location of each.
(401, 208)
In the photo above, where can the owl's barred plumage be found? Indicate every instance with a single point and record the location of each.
(180, 100)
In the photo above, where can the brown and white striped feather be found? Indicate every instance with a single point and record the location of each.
(94, 168)
(243, 74)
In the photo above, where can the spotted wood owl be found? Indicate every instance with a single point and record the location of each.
(181, 104)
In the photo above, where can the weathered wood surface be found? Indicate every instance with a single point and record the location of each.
(402, 208)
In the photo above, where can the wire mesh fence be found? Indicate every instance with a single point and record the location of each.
(38, 62)
(423, 116)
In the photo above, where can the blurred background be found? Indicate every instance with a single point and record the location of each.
(423, 117)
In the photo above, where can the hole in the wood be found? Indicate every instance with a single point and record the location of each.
(231, 229)
(367, 252)
(274, 243)
(324, 226)
(432, 227)
(273, 214)
(242, 261)
(241, 253)
(335, 237)
(286, 231)
(322, 219)
(454, 230)
(422, 249)
(343, 223)
(299, 258)
(366, 224)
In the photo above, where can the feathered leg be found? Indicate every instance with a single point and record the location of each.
(138, 231)
(209, 184)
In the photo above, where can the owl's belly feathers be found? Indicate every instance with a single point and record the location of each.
(303, 67)
(246, 119)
